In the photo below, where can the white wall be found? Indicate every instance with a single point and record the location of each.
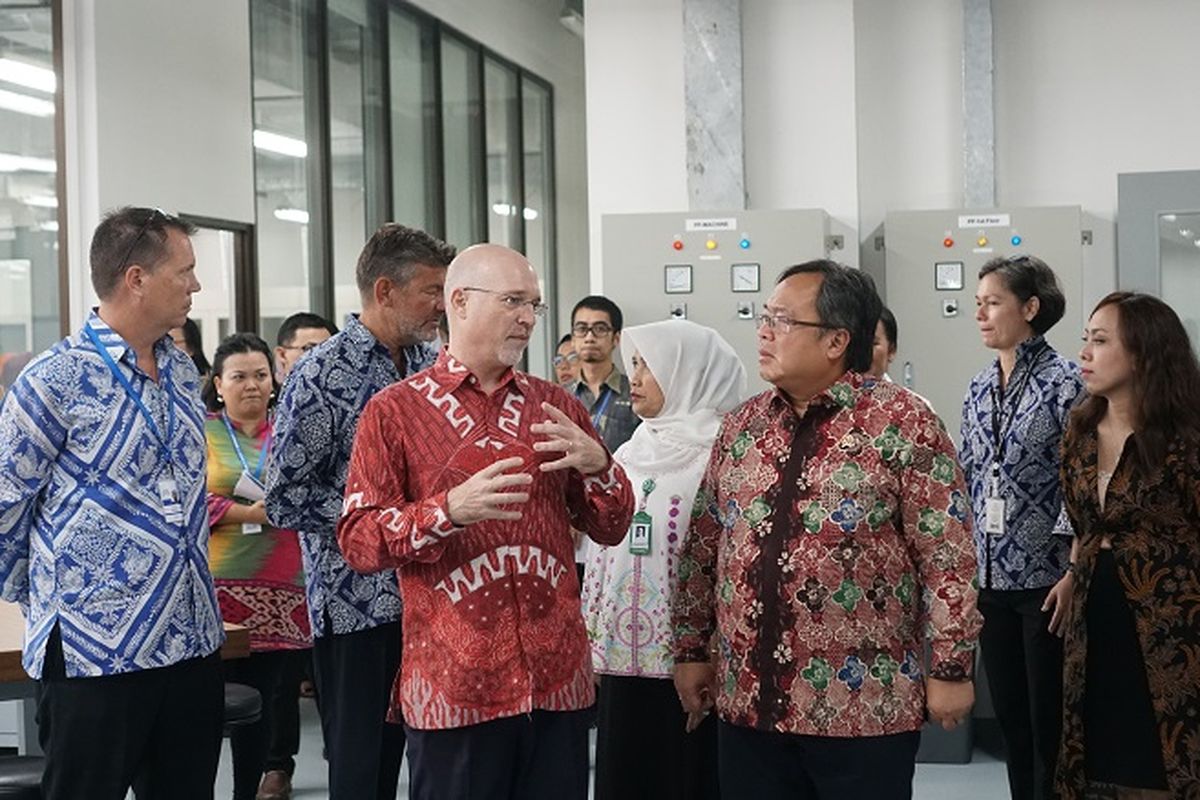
(1086, 90)
(799, 94)
(637, 150)
(908, 94)
(158, 114)
(528, 33)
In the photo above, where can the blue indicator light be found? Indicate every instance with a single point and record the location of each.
(1016, 241)
(744, 244)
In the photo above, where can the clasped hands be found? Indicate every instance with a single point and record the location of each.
(492, 492)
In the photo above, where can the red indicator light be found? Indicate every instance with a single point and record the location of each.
(677, 244)
(947, 242)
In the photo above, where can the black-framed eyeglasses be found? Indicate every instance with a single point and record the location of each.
(154, 212)
(512, 302)
(597, 329)
(782, 324)
(305, 347)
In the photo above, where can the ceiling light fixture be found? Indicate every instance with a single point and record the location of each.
(29, 75)
(24, 104)
(278, 143)
(292, 215)
(14, 163)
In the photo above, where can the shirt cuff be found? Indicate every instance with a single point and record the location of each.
(604, 481)
(952, 661)
(433, 527)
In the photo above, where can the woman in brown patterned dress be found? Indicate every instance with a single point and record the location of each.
(1131, 476)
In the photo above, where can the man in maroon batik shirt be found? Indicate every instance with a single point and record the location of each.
(830, 531)
(467, 478)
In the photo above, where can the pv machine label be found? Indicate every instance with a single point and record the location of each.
(723, 224)
(984, 221)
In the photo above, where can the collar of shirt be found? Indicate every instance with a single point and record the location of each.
(614, 381)
(843, 392)
(120, 349)
(417, 356)
(451, 373)
(1027, 352)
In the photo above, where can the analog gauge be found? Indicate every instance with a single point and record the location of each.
(744, 277)
(678, 278)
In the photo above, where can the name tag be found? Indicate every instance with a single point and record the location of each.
(168, 497)
(251, 528)
(639, 534)
(249, 488)
(994, 515)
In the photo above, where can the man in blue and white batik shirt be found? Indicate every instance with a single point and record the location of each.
(104, 531)
(355, 618)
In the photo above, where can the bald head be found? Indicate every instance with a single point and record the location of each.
(489, 266)
(492, 295)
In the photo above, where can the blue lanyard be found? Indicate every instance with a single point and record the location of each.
(163, 441)
(598, 410)
(237, 448)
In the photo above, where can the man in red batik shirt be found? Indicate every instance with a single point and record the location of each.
(830, 532)
(467, 478)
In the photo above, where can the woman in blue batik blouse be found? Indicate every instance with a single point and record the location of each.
(1014, 416)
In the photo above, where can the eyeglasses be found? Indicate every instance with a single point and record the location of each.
(597, 329)
(513, 302)
(154, 212)
(781, 324)
(570, 358)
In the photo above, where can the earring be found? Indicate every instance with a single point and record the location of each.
(220, 398)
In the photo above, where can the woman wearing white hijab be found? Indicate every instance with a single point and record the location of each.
(684, 377)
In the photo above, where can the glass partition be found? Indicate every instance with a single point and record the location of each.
(29, 255)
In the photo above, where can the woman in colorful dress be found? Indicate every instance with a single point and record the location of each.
(1131, 478)
(256, 568)
(1014, 416)
(683, 378)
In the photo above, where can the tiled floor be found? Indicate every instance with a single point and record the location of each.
(983, 779)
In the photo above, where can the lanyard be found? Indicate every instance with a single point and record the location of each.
(1000, 427)
(237, 448)
(598, 410)
(163, 441)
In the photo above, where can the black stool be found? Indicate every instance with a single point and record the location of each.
(243, 706)
(21, 777)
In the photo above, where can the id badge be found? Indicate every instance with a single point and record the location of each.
(993, 521)
(251, 528)
(168, 496)
(639, 534)
(249, 488)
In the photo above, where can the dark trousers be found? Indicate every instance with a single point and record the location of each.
(250, 743)
(1024, 672)
(160, 728)
(642, 749)
(354, 673)
(537, 756)
(765, 765)
(285, 712)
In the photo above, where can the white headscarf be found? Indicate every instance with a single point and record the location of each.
(701, 379)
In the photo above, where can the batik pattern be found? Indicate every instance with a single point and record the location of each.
(824, 551)
(259, 579)
(1035, 547)
(1154, 523)
(84, 543)
(315, 421)
(492, 623)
